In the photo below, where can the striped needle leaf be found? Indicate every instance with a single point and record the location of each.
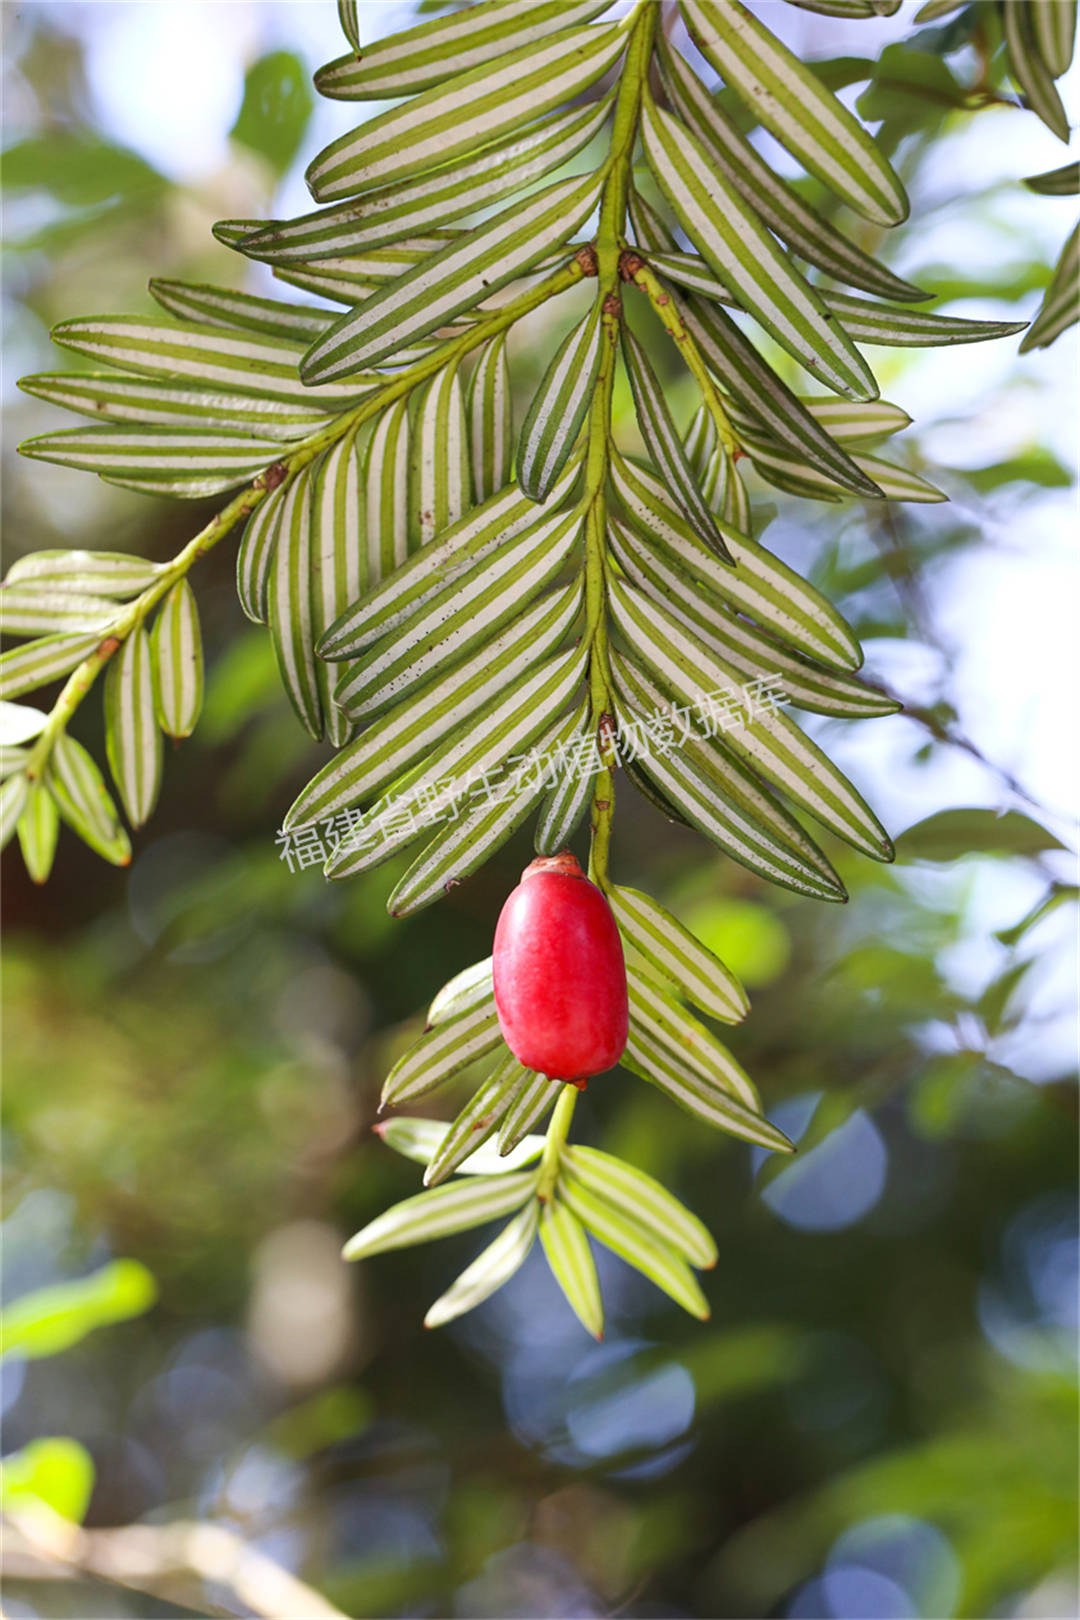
(14, 792)
(442, 1210)
(395, 741)
(666, 1022)
(634, 1243)
(440, 1053)
(1054, 30)
(473, 109)
(568, 801)
(643, 1198)
(664, 445)
(725, 492)
(24, 669)
(558, 409)
(174, 461)
(769, 743)
(255, 557)
(776, 202)
(290, 605)
(176, 647)
(699, 441)
(698, 1096)
(1029, 70)
(464, 615)
(572, 1265)
(132, 739)
(84, 802)
(439, 474)
(479, 180)
(386, 480)
(418, 1139)
(452, 280)
(470, 988)
(760, 585)
(240, 311)
(38, 829)
(115, 574)
(161, 403)
(338, 560)
(746, 257)
(535, 1099)
(1063, 182)
(1060, 307)
(683, 960)
(433, 52)
(478, 1120)
(791, 102)
(491, 429)
(489, 1271)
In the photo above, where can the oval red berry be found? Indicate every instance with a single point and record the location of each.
(560, 978)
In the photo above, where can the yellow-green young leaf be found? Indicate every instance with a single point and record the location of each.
(290, 605)
(412, 582)
(689, 965)
(439, 478)
(206, 356)
(84, 802)
(699, 441)
(440, 1053)
(53, 1472)
(427, 55)
(664, 445)
(478, 1120)
(574, 771)
(158, 461)
(634, 1243)
(240, 311)
(24, 669)
(572, 1265)
(490, 412)
(434, 791)
(481, 179)
(14, 792)
(1060, 307)
(117, 398)
(132, 738)
(491, 815)
(38, 827)
(115, 574)
(559, 407)
(723, 488)
(452, 280)
(464, 615)
(338, 560)
(54, 1318)
(760, 585)
(442, 1210)
(27, 610)
(767, 742)
(489, 1271)
(753, 653)
(397, 740)
(386, 504)
(537, 1096)
(470, 988)
(775, 202)
(471, 110)
(1028, 68)
(178, 662)
(662, 1020)
(255, 557)
(747, 257)
(792, 103)
(643, 1198)
(746, 376)
(719, 797)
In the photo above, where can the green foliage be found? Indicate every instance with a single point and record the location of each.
(55, 1318)
(277, 105)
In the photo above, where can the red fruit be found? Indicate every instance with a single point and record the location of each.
(560, 979)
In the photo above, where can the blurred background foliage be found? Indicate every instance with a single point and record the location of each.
(879, 1420)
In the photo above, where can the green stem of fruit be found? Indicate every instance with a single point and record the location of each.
(555, 1141)
(82, 678)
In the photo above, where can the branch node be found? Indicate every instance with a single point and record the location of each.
(586, 257)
